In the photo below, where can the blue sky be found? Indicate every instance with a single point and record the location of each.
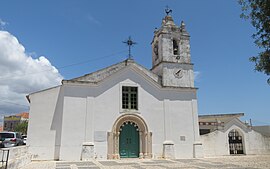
(91, 33)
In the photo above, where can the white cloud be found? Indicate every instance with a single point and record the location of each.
(197, 76)
(21, 75)
(2, 24)
(92, 19)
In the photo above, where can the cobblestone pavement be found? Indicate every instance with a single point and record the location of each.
(233, 162)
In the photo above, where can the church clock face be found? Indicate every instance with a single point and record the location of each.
(178, 73)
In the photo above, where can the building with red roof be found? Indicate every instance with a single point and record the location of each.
(11, 121)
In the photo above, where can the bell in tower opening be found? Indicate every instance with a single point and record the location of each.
(175, 48)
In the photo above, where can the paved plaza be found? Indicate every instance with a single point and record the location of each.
(235, 162)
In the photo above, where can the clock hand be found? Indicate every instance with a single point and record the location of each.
(177, 73)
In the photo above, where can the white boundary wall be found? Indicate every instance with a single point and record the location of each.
(217, 144)
(18, 157)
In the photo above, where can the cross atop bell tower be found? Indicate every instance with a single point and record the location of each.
(171, 53)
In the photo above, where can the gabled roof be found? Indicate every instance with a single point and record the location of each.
(232, 124)
(219, 117)
(102, 74)
(265, 130)
(96, 77)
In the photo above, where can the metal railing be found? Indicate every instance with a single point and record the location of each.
(4, 160)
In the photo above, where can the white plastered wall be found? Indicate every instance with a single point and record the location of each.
(216, 143)
(42, 140)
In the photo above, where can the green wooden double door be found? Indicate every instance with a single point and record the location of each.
(129, 141)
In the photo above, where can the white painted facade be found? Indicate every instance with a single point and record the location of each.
(88, 110)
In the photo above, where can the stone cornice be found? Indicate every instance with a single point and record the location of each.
(166, 62)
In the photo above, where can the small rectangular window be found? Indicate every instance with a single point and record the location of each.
(129, 97)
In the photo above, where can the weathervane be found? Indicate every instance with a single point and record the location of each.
(168, 10)
(130, 43)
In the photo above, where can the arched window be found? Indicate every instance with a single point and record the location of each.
(175, 47)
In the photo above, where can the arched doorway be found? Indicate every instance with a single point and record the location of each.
(235, 142)
(129, 138)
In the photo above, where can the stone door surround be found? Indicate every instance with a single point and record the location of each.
(145, 137)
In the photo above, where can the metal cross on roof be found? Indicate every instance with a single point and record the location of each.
(168, 10)
(130, 43)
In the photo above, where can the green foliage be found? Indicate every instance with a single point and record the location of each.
(22, 127)
(258, 12)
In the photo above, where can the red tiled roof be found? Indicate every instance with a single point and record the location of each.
(24, 115)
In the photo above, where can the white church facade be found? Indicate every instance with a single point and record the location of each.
(123, 111)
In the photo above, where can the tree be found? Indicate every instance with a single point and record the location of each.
(21, 127)
(258, 11)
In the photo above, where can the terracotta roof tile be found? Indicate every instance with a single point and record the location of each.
(24, 115)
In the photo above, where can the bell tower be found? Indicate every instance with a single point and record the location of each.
(171, 54)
